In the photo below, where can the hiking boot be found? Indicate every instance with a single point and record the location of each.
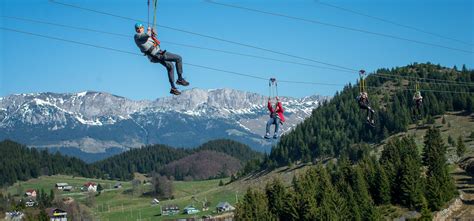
(182, 82)
(174, 91)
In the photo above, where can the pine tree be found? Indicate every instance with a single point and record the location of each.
(361, 193)
(461, 147)
(254, 206)
(425, 211)
(451, 140)
(43, 216)
(439, 186)
(411, 184)
(277, 197)
(382, 184)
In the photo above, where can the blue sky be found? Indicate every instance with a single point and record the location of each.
(30, 64)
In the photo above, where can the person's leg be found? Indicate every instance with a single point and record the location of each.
(168, 56)
(169, 68)
(277, 127)
(372, 112)
(269, 124)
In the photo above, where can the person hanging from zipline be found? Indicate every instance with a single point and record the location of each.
(276, 117)
(150, 46)
(276, 112)
(363, 100)
(418, 100)
(364, 104)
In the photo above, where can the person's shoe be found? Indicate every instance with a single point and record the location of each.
(372, 122)
(174, 91)
(275, 136)
(182, 82)
(267, 136)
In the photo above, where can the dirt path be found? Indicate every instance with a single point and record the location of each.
(464, 183)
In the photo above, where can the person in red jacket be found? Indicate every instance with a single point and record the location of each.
(276, 117)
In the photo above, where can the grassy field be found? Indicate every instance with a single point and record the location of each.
(122, 204)
(456, 125)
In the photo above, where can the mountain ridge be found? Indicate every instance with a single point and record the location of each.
(96, 121)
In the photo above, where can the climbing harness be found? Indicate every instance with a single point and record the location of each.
(362, 87)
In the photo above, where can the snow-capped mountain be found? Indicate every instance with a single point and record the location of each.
(96, 121)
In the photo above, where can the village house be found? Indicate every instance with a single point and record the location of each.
(55, 214)
(90, 186)
(14, 215)
(169, 210)
(31, 193)
(67, 188)
(60, 186)
(118, 185)
(190, 210)
(224, 207)
(155, 202)
(30, 203)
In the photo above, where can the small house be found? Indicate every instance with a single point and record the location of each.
(30, 193)
(67, 188)
(224, 207)
(55, 214)
(155, 202)
(169, 210)
(30, 203)
(118, 185)
(14, 215)
(60, 186)
(90, 186)
(190, 210)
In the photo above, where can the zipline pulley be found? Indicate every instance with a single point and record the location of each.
(272, 88)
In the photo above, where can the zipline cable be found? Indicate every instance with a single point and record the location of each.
(451, 82)
(338, 26)
(391, 22)
(200, 66)
(206, 36)
(174, 43)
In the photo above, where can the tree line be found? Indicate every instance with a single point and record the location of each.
(154, 157)
(349, 190)
(18, 162)
(335, 126)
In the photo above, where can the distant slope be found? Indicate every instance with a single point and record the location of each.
(153, 158)
(201, 165)
(18, 162)
(232, 148)
(337, 125)
(142, 160)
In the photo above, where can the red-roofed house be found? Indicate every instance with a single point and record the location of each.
(91, 187)
(30, 193)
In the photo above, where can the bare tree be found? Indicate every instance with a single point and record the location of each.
(161, 186)
(136, 187)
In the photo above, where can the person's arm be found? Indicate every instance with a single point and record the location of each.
(280, 107)
(269, 106)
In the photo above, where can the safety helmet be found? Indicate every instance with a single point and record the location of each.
(138, 25)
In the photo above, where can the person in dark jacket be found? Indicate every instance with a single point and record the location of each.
(363, 101)
(418, 99)
(150, 46)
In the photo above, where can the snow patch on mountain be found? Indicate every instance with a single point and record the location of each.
(95, 121)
